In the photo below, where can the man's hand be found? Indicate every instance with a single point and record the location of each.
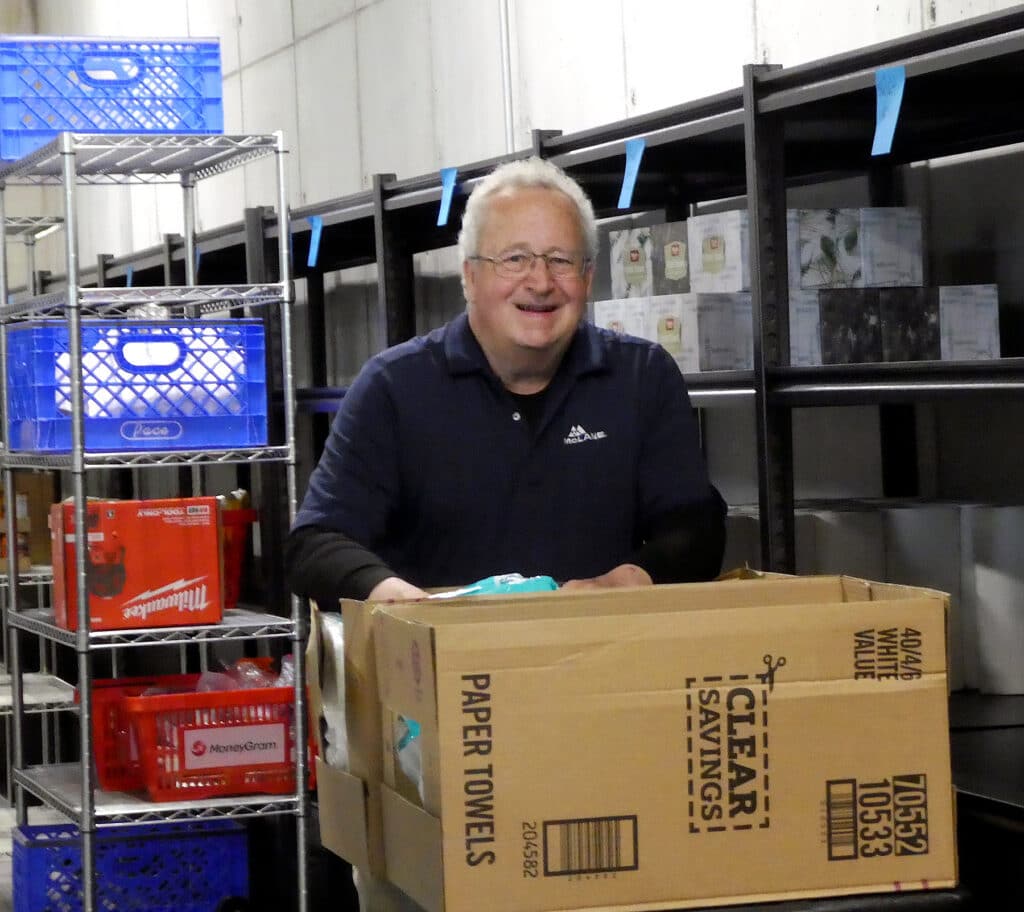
(622, 575)
(395, 589)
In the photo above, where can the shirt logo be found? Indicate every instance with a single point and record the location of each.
(578, 434)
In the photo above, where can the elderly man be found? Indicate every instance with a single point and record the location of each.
(516, 438)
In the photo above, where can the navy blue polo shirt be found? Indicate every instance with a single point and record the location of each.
(430, 466)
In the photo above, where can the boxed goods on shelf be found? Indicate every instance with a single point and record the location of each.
(146, 385)
(171, 867)
(851, 325)
(106, 85)
(859, 248)
(725, 327)
(969, 322)
(632, 269)
(649, 261)
(149, 563)
(910, 324)
(804, 328)
(776, 718)
(719, 251)
(670, 320)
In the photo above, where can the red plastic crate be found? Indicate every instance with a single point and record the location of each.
(115, 745)
(204, 745)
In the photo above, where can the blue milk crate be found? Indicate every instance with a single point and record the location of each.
(176, 867)
(106, 85)
(146, 385)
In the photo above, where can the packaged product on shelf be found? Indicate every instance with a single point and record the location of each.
(623, 315)
(829, 248)
(969, 322)
(726, 331)
(910, 324)
(860, 248)
(719, 251)
(891, 246)
(149, 563)
(631, 263)
(670, 260)
(851, 331)
(804, 328)
(752, 675)
(672, 323)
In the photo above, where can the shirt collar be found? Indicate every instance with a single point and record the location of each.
(587, 352)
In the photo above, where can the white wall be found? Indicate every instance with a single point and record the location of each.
(410, 86)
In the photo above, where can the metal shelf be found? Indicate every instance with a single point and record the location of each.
(60, 786)
(41, 693)
(720, 388)
(18, 460)
(117, 302)
(30, 227)
(238, 624)
(857, 384)
(36, 576)
(116, 158)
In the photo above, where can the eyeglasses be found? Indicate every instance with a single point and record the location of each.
(519, 263)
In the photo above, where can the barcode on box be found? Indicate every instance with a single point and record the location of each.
(590, 845)
(842, 819)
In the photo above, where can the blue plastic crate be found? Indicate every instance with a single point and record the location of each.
(176, 867)
(106, 85)
(146, 385)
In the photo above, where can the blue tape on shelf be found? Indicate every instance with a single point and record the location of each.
(199, 256)
(316, 226)
(634, 152)
(129, 271)
(889, 82)
(447, 189)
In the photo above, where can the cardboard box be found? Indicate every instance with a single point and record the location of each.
(910, 324)
(860, 248)
(24, 559)
(623, 315)
(851, 326)
(969, 322)
(804, 328)
(670, 259)
(891, 246)
(150, 563)
(35, 492)
(672, 323)
(719, 251)
(631, 263)
(725, 325)
(667, 747)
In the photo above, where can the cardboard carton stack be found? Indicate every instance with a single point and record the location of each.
(667, 747)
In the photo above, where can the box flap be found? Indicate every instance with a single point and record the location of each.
(314, 648)
(363, 720)
(413, 841)
(343, 814)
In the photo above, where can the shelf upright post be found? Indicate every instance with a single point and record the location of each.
(87, 825)
(30, 263)
(395, 276)
(15, 748)
(188, 200)
(298, 613)
(766, 200)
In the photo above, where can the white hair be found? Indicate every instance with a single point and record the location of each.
(529, 172)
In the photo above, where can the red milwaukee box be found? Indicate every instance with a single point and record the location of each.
(150, 563)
